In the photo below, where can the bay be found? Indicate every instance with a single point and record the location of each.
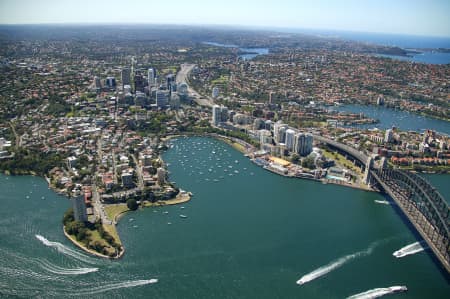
(251, 234)
(401, 119)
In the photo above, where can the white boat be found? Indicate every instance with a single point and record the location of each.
(165, 212)
(398, 289)
(183, 216)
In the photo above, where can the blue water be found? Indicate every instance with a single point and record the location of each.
(248, 234)
(403, 120)
(249, 56)
(394, 40)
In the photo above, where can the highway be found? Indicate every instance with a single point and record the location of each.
(182, 77)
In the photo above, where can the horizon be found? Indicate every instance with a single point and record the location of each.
(288, 30)
(415, 18)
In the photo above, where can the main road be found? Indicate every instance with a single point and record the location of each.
(182, 77)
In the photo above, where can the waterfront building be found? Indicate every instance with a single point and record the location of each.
(125, 75)
(388, 136)
(265, 137)
(290, 139)
(303, 144)
(127, 179)
(380, 101)
(79, 207)
(279, 132)
(161, 175)
(219, 114)
(162, 98)
(216, 115)
(215, 92)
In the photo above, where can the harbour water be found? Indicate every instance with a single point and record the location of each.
(403, 120)
(426, 46)
(251, 52)
(248, 234)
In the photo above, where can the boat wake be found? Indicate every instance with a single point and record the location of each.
(409, 249)
(378, 292)
(115, 286)
(383, 202)
(335, 264)
(66, 250)
(64, 271)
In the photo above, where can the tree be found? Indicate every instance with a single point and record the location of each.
(68, 216)
(295, 158)
(132, 204)
(308, 162)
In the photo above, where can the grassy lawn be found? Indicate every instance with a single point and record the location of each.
(222, 80)
(113, 210)
(339, 159)
(111, 229)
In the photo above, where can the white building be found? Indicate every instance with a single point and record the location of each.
(265, 137)
(279, 132)
(388, 136)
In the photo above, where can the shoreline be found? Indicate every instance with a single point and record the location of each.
(179, 199)
(90, 251)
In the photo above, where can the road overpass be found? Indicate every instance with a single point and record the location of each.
(183, 77)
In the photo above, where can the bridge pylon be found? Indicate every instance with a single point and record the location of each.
(369, 166)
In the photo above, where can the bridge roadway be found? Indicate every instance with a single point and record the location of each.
(422, 204)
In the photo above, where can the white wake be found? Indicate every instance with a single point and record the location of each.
(66, 250)
(409, 249)
(335, 264)
(378, 292)
(120, 285)
(65, 271)
(384, 202)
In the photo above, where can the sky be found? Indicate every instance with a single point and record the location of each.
(414, 17)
